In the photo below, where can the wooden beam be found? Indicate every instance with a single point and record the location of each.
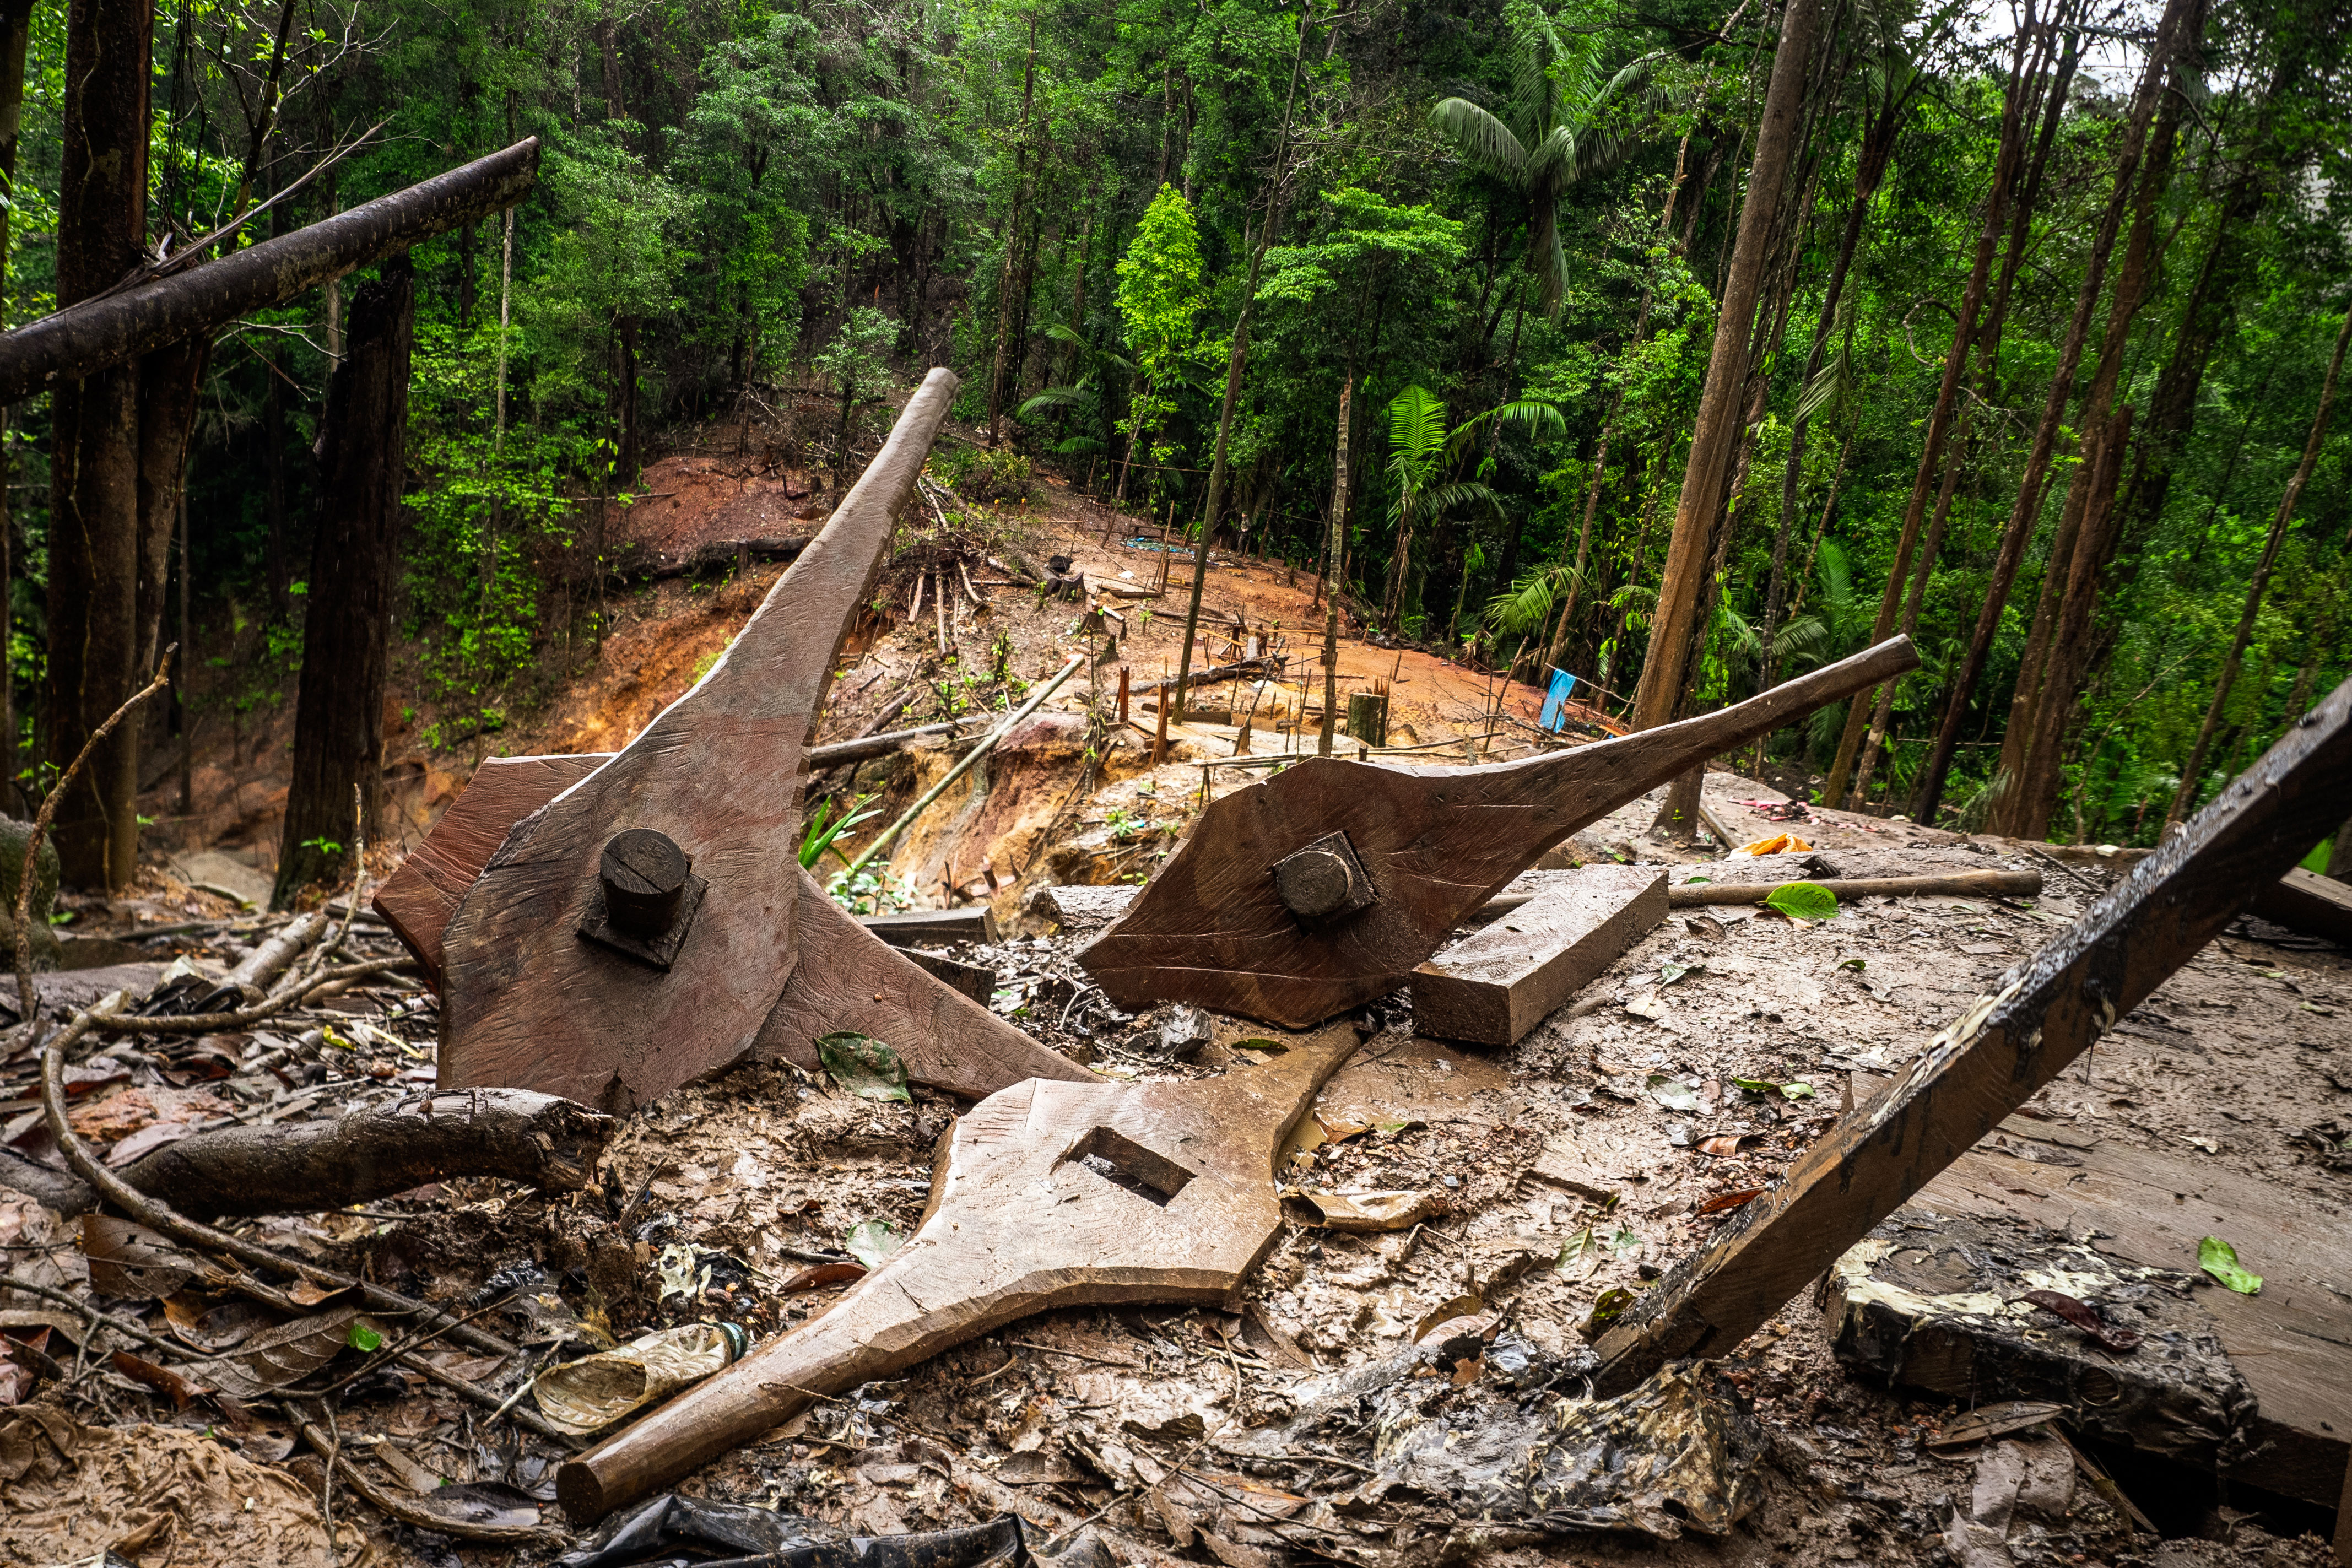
(1958, 884)
(2316, 906)
(966, 922)
(1495, 985)
(1999, 1053)
(115, 328)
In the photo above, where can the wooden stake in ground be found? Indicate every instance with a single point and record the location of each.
(2001, 1051)
(1334, 577)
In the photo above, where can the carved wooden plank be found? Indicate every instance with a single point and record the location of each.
(526, 1001)
(1211, 928)
(2001, 1051)
(1047, 1196)
(845, 979)
(1493, 987)
(418, 900)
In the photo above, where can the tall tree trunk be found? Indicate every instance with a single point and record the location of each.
(1235, 364)
(1335, 573)
(999, 370)
(1717, 428)
(2027, 512)
(2190, 771)
(2046, 688)
(347, 633)
(1882, 714)
(631, 458)
(2005, 164)
(16, 33)
(93, 598)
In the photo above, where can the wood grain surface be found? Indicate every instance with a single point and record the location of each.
(1032, 1207)
(1494, 985)
(848, 979)
(419, 898)
(1436, 843)
(2043, 1014)
(525, 1001)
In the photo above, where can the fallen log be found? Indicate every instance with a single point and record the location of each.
(301, 1167)
(865, 748)
(1958, 884)
(116, 328)
(2045, 1011)
(249, 982)
(1247, 669)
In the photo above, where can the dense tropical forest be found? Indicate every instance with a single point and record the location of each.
(1681, 347)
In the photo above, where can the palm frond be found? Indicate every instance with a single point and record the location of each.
(1528, 603)
(1483, 138)
(1416, 426)
(1438, 500)
(1083, 398)
(1801, 638)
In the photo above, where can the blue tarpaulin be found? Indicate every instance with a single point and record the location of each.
(1556, 700)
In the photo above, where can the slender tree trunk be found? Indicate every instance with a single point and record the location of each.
(1235, 364)
(997, 369)
(1335, 573)
(1939, 421)
(1716, 430)
(16, 33)
(93, 588)
(2027, 510)
(2046, 690)
(1882, 715)
(1877, 152)
(346, 643)
(2191, 770)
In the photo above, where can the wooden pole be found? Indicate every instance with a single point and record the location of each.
(1999, 1054)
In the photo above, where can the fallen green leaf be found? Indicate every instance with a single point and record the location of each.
(865, 1066)
(1673, 1092)
(1582, 1248)
(1607, 1308)
(1757, 1085)
(363, 1338)
(1853, 963)
(2220, 1259)
(1803, 901)
(1623, 1243)
(1670, 972)
(871, 1241)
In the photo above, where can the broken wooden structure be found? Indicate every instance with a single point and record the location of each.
(1047, 1196)
(2042, 1016)
(610, 981)
(1244, 918)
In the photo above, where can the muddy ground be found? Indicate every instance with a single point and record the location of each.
(1583, 1160)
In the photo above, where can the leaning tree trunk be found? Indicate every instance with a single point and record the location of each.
(93, 603)
(1717, 429)
(2046, 692)
(1940, 420)
(2027, 512)
(346, 639)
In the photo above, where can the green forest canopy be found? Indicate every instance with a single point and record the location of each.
(1480, 205)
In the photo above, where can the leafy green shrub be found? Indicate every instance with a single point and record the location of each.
(978, 474)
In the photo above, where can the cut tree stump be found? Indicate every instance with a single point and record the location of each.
(1045, 1195)
(2043, 1014)
(1492, 987)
